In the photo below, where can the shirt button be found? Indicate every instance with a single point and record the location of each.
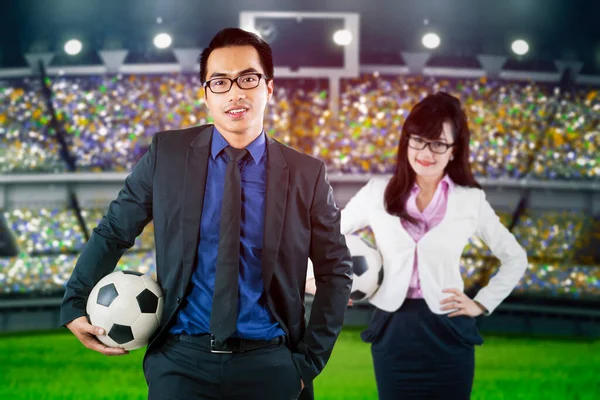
(178, 299)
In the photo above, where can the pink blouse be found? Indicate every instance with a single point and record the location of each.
(431, 216)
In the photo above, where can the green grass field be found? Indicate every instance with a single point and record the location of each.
(55, 366)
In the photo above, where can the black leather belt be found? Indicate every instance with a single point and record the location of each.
(231, 345)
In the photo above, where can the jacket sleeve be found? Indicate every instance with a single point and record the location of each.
(332, 270)
(504, 246)
(354, 215)
(125, 219)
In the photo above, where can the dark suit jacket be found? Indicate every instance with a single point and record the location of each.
(301, 221)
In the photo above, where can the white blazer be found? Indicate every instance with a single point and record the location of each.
(468, 213)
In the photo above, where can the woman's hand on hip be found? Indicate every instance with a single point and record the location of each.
(461, 302)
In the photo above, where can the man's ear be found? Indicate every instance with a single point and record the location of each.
(270, 88)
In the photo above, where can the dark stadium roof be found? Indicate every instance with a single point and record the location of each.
(529, 65)
(453, 62)
(555, 29)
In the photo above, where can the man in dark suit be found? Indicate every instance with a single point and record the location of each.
(236, 216)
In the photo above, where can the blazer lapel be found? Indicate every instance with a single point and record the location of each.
(193, 196)
(275, 204)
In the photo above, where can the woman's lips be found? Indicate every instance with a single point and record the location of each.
(425, 163)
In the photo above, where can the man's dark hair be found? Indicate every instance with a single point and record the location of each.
(238, 37)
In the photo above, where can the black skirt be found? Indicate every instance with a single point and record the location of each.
(421, 355)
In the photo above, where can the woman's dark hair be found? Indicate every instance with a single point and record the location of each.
(238, 37)
(426, 120)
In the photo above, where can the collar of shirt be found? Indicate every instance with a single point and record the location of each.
(444, 187)
(446, 183)
(256, 148)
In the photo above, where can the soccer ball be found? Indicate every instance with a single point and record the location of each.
(128, 306)
(367, 268)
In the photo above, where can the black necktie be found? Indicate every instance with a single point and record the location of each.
(223, 318)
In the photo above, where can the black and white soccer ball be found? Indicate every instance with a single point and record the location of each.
(128, 306)
(367, 268)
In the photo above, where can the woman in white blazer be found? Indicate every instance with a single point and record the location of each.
(423, 330)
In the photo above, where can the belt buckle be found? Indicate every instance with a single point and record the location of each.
(213, 348)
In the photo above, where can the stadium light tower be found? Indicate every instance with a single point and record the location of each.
(73, 47)
(520, 47)
(162, 40)
(250, 20)
(343, 37)
(431, 40)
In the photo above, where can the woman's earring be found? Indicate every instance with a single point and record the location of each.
(451, 157)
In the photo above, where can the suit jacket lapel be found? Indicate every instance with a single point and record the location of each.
(276, 200)
(193, 196)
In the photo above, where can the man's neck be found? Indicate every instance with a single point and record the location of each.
(240, 140)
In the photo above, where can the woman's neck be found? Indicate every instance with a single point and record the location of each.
(428, 185)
